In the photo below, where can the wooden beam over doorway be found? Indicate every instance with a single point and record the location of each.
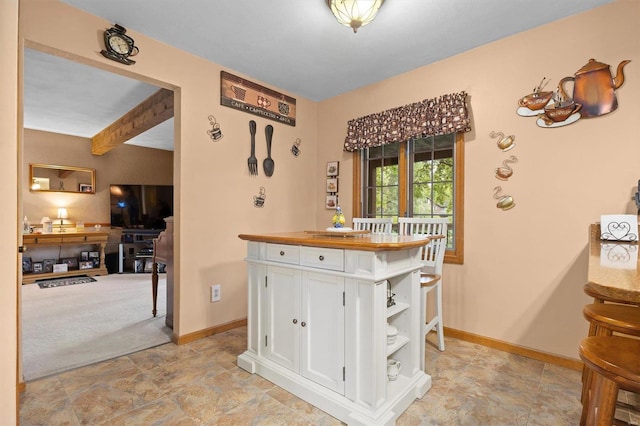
(151, 112)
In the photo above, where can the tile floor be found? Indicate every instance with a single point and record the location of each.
(200, 384)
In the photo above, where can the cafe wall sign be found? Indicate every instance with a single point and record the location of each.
(244, 95)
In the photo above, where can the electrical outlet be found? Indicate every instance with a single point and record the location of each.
(215, 293)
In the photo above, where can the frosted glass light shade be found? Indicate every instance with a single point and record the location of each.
(355, 13)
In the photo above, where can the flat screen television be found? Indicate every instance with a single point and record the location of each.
(141, 206)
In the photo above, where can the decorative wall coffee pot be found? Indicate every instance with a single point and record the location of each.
(594, 88)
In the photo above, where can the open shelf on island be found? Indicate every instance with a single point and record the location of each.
(400, 342)
(396, 309)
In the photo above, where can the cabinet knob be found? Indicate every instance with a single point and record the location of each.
(321, 258)
(303, 323)
(282, 253)
(295, 321)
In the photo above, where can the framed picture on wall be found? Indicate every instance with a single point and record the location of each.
(332, 168)
(331, 202)
(332, 185)
(86, 188)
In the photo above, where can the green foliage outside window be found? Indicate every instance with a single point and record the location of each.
(430, 183)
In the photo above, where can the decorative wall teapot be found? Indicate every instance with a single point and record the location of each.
(594, 88)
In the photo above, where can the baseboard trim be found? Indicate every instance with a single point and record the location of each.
(201, 334)
(21, 387)
(561, 361)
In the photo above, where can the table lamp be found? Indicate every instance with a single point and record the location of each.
(62, 215)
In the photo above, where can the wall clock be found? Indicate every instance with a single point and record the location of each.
(119, 46)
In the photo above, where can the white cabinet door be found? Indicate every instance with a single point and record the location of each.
(283, 316)
(322, 327)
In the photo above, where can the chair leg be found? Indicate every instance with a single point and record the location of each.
(423, 329)
(587, 377)
(602, 401)
(439, 316)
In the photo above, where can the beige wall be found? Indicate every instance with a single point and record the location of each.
(524, 269)
(213, 190)
(9, 223)
(126, 164)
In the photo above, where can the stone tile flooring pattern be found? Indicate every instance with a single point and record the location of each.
(200, 384)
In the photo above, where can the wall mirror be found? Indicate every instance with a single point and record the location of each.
(52, 178)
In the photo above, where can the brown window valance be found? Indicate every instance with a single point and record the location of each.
(430, 117)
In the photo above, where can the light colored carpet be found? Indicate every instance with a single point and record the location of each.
(72, 326)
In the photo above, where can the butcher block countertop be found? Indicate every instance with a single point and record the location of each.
(361, 241)
(614, 269)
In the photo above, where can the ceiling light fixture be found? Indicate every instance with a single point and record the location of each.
(355, 13)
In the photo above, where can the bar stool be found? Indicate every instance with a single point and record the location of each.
(605, 319)
(430, 276)
(613, 363)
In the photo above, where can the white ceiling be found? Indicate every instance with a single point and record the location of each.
(293, 45)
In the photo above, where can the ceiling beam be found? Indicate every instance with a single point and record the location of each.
(151, 112)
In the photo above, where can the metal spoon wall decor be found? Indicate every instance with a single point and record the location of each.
(268, 164)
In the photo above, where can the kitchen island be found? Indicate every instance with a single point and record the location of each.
(318, 314)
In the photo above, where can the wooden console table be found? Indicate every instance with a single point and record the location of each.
(34, 241)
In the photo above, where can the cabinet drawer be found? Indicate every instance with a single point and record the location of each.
(283, 253)
(323, 258)
(47, 240)
(95, 239)
(74, 239)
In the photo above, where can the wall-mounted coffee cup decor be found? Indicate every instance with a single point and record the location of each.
(295, 148)
(505, 172)
(215, 133)
(505, 202)
(533, 103)
(593, 95)
(505, 143)
(258, 200)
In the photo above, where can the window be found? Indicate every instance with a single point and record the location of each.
(419, 178)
